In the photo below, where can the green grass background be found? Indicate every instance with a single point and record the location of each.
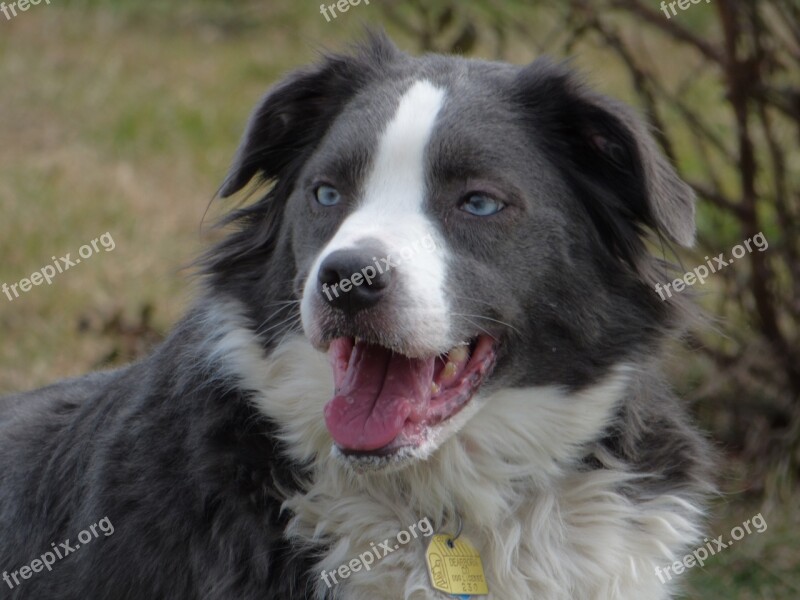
(121, 117)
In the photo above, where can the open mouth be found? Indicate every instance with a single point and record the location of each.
(385, 401)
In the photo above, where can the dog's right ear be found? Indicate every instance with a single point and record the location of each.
(610, 158)
(295, 114)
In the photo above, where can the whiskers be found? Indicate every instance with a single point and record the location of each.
(469, 319)
(287, 325)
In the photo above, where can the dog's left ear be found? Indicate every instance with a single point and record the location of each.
(609, 156)
(671, 201)
(294, 115)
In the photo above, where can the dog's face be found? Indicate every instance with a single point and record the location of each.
(451, 227)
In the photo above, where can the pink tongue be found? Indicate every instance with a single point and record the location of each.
(376, 394)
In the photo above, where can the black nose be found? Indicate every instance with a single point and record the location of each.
(352, 280)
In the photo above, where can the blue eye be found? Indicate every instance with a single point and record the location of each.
(481, 205)
(327, 195)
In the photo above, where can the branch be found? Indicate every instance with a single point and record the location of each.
(672, 28)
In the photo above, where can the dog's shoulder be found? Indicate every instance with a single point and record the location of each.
(34, 405)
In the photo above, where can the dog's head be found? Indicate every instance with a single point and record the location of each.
(449, 227)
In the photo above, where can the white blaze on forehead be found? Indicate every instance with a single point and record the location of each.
(391, 210)
(391, 206)
(397, 180)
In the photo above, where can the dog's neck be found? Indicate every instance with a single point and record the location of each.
(516, 439)
(509, 475)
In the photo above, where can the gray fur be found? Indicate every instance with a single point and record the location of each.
(193, 477)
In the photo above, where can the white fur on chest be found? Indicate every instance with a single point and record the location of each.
(545, 529)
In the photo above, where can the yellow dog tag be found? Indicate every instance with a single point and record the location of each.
(455, 567)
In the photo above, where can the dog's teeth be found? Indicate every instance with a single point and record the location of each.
(457, 355)
(449, 370)
(435, 387)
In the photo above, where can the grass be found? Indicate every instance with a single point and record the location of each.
(760, 566)
(121, 117)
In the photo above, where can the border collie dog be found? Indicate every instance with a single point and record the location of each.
(441, 308)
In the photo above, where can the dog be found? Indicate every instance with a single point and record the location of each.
(440, 311)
